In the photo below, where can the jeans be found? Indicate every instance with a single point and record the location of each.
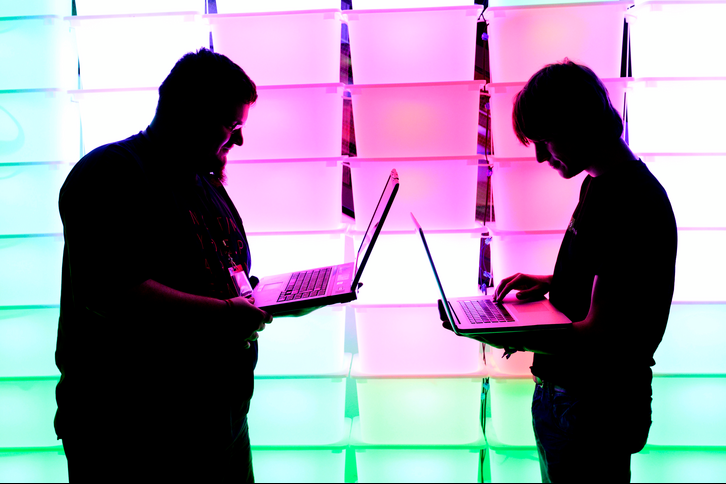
(587, 437)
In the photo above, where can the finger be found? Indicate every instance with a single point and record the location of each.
(251, 299)
(442, 312)
(261, 327)
(504, 282)
(253, 337)
(447, 325)
(248, 344)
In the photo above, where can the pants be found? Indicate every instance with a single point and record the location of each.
(586, 438)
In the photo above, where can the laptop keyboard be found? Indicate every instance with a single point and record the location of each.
(306, 284)
(485, 311)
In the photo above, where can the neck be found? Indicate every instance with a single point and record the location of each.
(611, 156)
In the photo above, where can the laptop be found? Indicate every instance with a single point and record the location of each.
(482, 315)
(325, 285)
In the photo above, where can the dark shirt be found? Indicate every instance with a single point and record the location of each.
(131, 214)
(623, 228)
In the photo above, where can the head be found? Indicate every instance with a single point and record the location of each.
(204, 101)
(564, 109)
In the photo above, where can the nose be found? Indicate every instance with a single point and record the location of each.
(541, 151)
(236, 137)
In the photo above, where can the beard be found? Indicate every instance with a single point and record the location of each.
(215, 168)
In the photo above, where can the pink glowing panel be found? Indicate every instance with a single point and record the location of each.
(699, 27)
(22, 260)
(699, 127)
(405, 120)
(516, 365)
(694, 186)
(24, 138)
(413, 45)
(255, 6)
(42, 55)
(29, 198)
(109, 115)
(699, 266)
(11, 8)
(511, 407)
(264, 192)
(120, 7)
(414, 342)
(389, 4)
(439, 191)
(532, 196)
(123, 51)
(302, 121)
(590, 34)
(506, 144)
(399, 272)
(281, 48)
(533, 253)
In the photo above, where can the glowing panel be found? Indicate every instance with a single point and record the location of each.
(308, 345)
(699, 27)
(31, 270)
(514, 464)
(699, 127)
(120, 7)
(693, 326)
(526, 253)
(407, 120)
(688, 411)
(27, 409)
(589, 34)
(27, 342)
(414, 343)
(417, 465)
(398, 271)
(11, 8)
(134, 50)
(523, 3)
(441, 192)
(282, 48)
(533, 196)
(511, 409)
(48, 42)
(679, 465)
(41, 466)
(29, 198)
(388, 4)
(699, 264)
(308, 465)
(250, 6)
(293, 122)
(516, 365)
(418, 45)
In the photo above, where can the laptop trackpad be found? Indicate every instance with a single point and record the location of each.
(270, 287)
(532, 307)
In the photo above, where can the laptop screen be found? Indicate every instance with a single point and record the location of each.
(375, 225)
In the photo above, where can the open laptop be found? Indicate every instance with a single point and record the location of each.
(325, 285)
(482, 315)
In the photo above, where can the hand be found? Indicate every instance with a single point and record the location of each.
(497, 340)
(530, 287)
(248, 318)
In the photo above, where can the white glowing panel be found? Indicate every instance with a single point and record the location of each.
(120, 7)
(27, 342)
(511, 407)
(688, 411)
(297, 411)
(280, 253)
(417, 465)
(264, 192)
(398, 271)
(699, 28)
(406, 120)
(590, 34)
(114, 114)
(27, 409)
(40, 466)
(31, 270)
(29, 198)
(506, 144)
(308, 345)
(690, 326)
(698, 126)
(513, 464)
(522, 3)
(38, 53)
(681, 464)
(533, 196)
(694, 187)
(309, 465)
(388, 4)
(414, 342)
(525, 253)
(13, 8)
(293, 122)
(441, 192)
(413, 45)
(256, 6)
(134, 50)
(699, 265)
(281, 48)
(516, 365)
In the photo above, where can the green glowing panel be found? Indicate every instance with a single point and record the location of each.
(30, 270)
(41, 466)
(514, 464)
(679, 465)
(27, 342)
(511, 410)
(417, 465)
(27, 409)
(691, 326)
(299, 465)
(688, 411)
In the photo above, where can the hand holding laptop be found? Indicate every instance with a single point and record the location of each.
(530, 287)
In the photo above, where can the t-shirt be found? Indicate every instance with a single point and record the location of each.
(131, 214)
(623, 228)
